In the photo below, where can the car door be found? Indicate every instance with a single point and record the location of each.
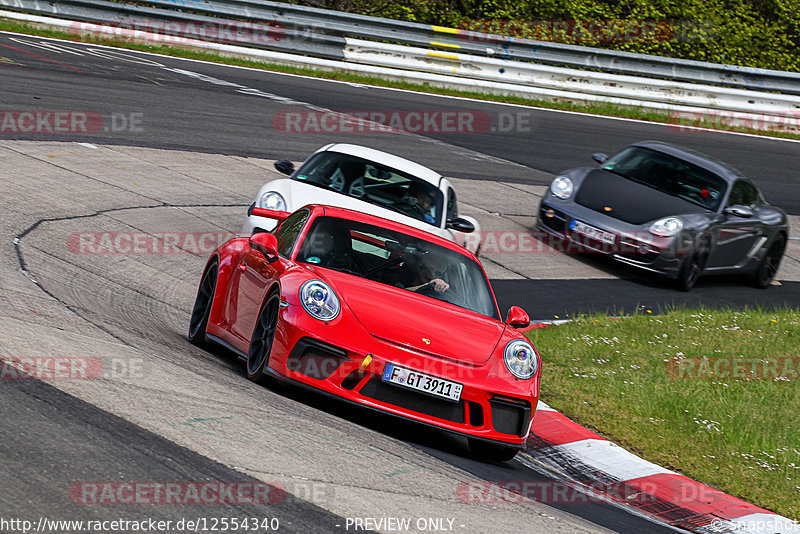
(735, 236)
(256, 274)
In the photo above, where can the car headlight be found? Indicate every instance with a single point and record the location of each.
(319, 300)
(521, 359)
(272, 201)
(562, 187)
(666, 227)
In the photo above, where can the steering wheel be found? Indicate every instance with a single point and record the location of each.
(385, 265)
(427, 289)
(447, 295)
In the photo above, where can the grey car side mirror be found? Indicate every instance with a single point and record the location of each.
(599, 157)
(737, 210)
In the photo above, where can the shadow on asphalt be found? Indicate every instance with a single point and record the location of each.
(549, 299)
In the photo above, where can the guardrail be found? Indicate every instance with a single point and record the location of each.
(321, 21)
(437, 55)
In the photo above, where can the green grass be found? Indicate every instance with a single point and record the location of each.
(741, 436)
(611, 110)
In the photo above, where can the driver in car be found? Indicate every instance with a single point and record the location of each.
(421, 204)
(433, 268)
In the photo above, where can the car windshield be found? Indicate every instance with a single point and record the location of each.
(374, 183)
(399, 260)
(669, 175)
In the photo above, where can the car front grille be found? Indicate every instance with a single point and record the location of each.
(412, 400)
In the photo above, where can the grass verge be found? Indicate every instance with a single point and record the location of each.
(714, 122)
(658, 386)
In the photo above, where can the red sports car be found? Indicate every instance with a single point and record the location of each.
(376, 313)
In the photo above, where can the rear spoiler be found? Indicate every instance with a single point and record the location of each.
(269, 214)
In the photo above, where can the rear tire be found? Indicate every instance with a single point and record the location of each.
(263, 336)
(768, 267)
(202, 305)
(490, 451)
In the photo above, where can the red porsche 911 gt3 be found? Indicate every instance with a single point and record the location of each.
(376, 313)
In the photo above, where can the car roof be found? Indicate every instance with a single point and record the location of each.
(390, 160)
(719, 168)
(344, 213)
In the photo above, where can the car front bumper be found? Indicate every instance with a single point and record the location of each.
(633, 244)
(492, 406)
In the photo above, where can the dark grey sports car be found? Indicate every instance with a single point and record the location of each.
(668, 210)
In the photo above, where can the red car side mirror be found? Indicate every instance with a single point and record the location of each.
(265, 243)
(517, 317)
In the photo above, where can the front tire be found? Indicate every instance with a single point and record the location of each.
(202, 305)
(768, 267)
(692, 268)
(263, 337)
(491, 451)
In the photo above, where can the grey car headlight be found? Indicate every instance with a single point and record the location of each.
(521, 359)
(319, 300)
(562, 187)
(272, 200)
(666, 227)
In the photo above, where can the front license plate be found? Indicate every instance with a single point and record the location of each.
(592, 232)
(422, 382)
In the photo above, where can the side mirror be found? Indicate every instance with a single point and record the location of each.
(737, 210)
(517, 317)
(265, 243)
(599, 157)
(285, 166)
(460, 224)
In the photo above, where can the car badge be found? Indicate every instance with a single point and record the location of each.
(607, 208)
(426, 341)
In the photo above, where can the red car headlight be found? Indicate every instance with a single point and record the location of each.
(319, 300)
(521, 359)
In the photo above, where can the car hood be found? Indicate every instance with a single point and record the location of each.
(629, 201)
(408, 319)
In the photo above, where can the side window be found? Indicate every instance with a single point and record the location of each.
(452, 206)
(743, 194)
(288, 230)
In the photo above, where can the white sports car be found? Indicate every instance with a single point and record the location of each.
(369, 181)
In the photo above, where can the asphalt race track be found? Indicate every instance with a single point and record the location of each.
(182, 147)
